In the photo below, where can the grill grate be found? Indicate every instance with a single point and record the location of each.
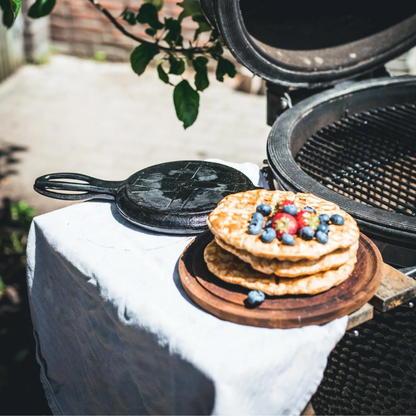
(369, 157)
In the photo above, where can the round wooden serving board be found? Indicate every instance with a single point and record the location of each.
(228, 302)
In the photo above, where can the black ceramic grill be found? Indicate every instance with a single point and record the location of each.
(369, 157)
(354, 145)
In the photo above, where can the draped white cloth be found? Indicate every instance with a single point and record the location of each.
(116, 333)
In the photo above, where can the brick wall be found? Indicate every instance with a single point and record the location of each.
(78, 28)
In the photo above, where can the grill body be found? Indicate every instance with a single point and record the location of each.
(372, 370)
(369, 157)
(356, 146)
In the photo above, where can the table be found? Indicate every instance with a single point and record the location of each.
(116, 333)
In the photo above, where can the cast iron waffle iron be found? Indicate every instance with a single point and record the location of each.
(174, 197)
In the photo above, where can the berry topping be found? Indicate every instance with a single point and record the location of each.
(324, 218)
(284, 223)
(257, 216)
(268, 235)
(321, 237)
(291, 209)
(323, 227)
(255, 297)
(282, 204)
(306, 233)
(307, 219)
(255, 226)
(288, 239)
(310, 209)
(337, 219)
(268, 223)
(264, 209)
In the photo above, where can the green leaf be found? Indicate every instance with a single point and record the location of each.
(216, 50)
(15, 6)
(150, 31)
(186, 101)
(224, 67)
(8, 16)
(199, 18)
(214, 35)
(174, 28)
(201, 76)
(141, 57)
(177, 66)
(162, 74)
(157, 3)
(130, 18)
(10, 9)
(148, 14)
(41, 8)
(190, 7)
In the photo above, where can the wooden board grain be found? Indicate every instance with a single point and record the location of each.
(228, 302)
(395, 288)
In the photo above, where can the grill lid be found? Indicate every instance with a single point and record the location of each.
(311, 45)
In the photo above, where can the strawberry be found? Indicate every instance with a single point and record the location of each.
(284, 224)
(281, 204)
(308, 219)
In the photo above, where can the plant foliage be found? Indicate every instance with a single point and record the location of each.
(10, 9)
(165, 44)
(15, 219)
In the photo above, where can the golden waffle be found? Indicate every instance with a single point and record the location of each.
(293, 269)
(230, 219)
(231, 269)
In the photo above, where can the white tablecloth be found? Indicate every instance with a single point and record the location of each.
(116, 333)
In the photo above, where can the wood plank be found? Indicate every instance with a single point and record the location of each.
(395, 288)
(227, 301)
(364, 314)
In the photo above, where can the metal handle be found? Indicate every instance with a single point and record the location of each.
(48, 185)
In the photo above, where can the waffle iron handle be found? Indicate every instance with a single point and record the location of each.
(76, 186)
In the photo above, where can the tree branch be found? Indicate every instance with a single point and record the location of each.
(122, 29)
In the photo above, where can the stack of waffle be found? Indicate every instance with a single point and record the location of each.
(307, 267)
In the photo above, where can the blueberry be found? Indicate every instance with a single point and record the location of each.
(321, 237)
(288, 239)
(291, 209)
(268, 223)
(255, 227)
(255, 297)
(310, 209)
(337, 219)
(264, 209)
(306, 233)
(324, 218)
(257, 216)
(323, 227)
(268, 235)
